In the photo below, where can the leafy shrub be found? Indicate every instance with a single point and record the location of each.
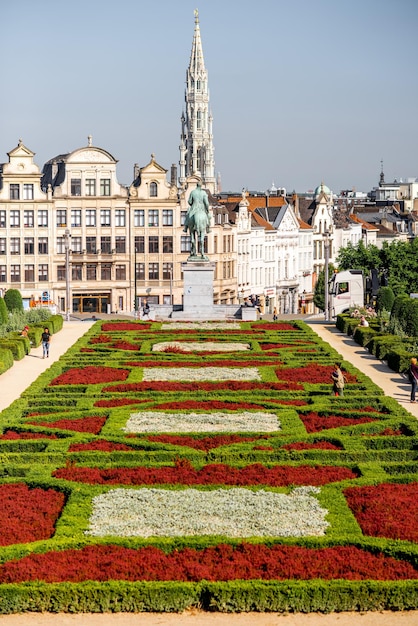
(6, 359)
(385, 299)
(13, 300)
(4, 314)
(15, 346)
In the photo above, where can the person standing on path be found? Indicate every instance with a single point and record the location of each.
(413, 377)
(46, 339)
(338, 380)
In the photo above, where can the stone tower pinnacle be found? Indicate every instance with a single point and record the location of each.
(196, 143)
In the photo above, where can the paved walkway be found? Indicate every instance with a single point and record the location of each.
(393, 384)
(23, 373)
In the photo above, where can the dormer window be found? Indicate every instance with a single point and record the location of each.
(153, 190)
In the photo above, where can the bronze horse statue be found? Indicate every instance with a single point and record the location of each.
(197, 222)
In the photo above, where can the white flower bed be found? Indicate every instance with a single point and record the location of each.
(201, 326)
(160, 422)
(201, 373)
(196, 346)
(235, 512)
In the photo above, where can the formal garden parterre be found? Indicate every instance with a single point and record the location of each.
(162, 466)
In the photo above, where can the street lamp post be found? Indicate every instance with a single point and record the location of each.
(171, 285)
(135, 287)
(67, 274)
(326, 247)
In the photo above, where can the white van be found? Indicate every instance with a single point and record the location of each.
(346, 291)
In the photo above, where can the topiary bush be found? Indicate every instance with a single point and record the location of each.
(4, 314)
(13, 300)
(385, 299)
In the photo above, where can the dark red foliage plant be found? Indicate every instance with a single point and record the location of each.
(274, 326)
(230, 385)
(101, 339)
(314, 422)
(312, 373)
(214, 563)
(28, 514)
(122, 326)
(12, 434)
(92, 424)
(386, 510)
(213, 474)
(90, 375)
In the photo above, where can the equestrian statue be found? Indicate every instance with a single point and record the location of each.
(197, 222)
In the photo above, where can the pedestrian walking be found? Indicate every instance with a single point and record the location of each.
(275, 314)
(338, 380)
(46, 340)
(413, 378)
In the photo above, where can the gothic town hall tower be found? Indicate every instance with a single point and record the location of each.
(196, 147)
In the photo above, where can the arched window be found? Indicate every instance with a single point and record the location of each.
(199, 120)
(153, 190)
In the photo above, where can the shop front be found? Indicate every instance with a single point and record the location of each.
(91, 303)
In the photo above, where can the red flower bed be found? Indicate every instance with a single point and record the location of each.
(118, 402)
(28, 514)
(213, 474)
(203, 443)
(12, 434)
(274, 326)
(314, 422)
(90, 375)
(386, 510)
(125, 345)
(101, 339)
(100, 445)
(312, 373)
(92, 424)
(319, 445)
(221, 562)
(119, 326)
(210, 405)
(230, 385)
(200, 364)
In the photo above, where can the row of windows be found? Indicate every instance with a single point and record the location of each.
(93, 245)
(15, 191)
(90, 187)
(28, 273)
(92, 271)
(92, 217)
(154, 244)
(153, 271)
(28, 245)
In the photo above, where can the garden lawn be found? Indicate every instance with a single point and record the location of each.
(164, 466)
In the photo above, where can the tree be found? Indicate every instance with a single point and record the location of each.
(13, 300)
(4, 315)
(385, 299)
(359, 257)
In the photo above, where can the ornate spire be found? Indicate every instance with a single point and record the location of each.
(382, 176)
(196, 146)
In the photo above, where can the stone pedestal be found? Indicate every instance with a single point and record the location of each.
(198, 287)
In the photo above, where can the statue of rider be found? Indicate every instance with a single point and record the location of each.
(198, 201)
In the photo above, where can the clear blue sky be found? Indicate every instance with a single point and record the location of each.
(302, 91)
